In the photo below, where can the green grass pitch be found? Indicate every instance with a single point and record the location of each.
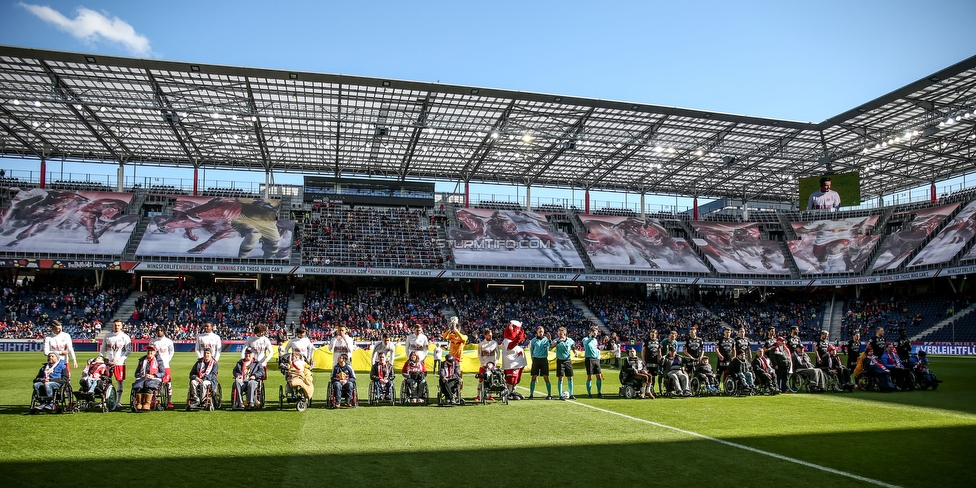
(921, 438)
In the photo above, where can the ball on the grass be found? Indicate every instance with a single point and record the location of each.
(564, 395)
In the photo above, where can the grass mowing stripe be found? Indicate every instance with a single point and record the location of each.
(741, 446)
(865, 402)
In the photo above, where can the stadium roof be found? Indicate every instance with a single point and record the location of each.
(96, 108)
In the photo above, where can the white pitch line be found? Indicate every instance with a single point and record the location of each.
(740, 446)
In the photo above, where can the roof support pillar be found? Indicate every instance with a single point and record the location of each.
(586, 205)
(528, 198)
(643, 213)
(120, 184)
(196, 180)
(467, 195)
(932, 193)
(267, 183)
(43, 172)
(695, 211)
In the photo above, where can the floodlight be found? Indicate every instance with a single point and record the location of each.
(728, 159)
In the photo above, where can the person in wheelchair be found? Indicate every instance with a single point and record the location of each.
(764, 372)
(872, 367)
(248, 375)
(450, 379)
(149, 377)
(298, 373)
(899, 373)
(381, 374)
(202, 376)
(816, 379)
(706, 375)
(94, 371)
(414, 374)
(50, 378)
(920, 367)
(674, 368)
(831, 364)
(742, 371)
(343, 381)
(634, 372)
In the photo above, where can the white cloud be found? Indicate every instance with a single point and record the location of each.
(91, 26)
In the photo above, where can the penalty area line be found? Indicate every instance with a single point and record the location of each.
(743, 447)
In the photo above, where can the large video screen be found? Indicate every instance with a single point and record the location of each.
(842, 190)
(66, 221)
(220, 227)
(510, 238)
(614, 242)
(739, 248)
(899, 245)
(833, 246)
(951, 239)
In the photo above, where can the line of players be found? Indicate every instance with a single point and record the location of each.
(775, 359)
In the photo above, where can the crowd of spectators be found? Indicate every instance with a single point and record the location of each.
(782, 311)
(340, 235)
(80, 306)
(494, 311)
(234, 309)
(368, 314)
(913, 314)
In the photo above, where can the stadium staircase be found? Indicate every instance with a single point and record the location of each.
(928, 238)
(295, 304)
(701, 306)
(789, 260)
(691, 242)
(943, 323)
(591, 316)
(835, 315)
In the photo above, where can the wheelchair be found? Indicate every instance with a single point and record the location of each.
(762, 388)
(906, 382)
(332, 400)
(62, 399)
(630, 386)
(212, 398)
(423, 392)
(834, 384)
(374, 397)
(699, 386)
(669, 388)
(104, 397)
(492, 386)
(160, 397)
(287, 395)
(797, 383)
(733, 386)
(868, 382)
(442, 395)
(237, 400)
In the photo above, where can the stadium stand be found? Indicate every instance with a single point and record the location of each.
(369, 313)
(81, 307)
(369, 237)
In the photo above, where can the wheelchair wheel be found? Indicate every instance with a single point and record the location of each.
(696, 387)
(33, 404)
(864, 382)
(795, 383)
(731, 388)
(260, 396)
(371, 394)
(403, 393)
(908, 382)
(132, 399)
(217, 397)
(424, 394)
(281, 397)
(627, 391)
(301, 404)
(162, 397)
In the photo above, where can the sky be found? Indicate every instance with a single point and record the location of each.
(805, 61)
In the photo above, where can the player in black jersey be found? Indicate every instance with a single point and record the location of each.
(652, 354)
(742, 343)
(903, 346)
(694, 346)
(853, 349)
(725, 352)
(820, 347)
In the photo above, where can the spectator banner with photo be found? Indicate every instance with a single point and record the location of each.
(899, 245)
(66, 221)
(615, 242)
(833, 246)
(510, 238)
(950, 240)
(739, 248)
(219, 227)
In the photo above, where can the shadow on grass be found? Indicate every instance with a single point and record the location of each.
(921, 457)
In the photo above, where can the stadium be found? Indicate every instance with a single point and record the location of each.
(368, 245)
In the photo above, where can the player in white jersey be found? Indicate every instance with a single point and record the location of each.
(342, 344)
(301, 345)
(60, 342)
(260, 344)
(384, 347)
(116, 348)
(164, 352)
(208, 339)
(417, 342)
(488, 353)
